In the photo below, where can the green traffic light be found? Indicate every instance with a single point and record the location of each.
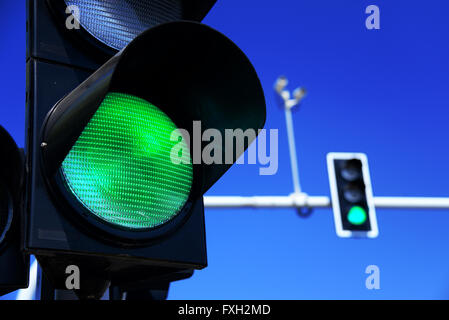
(120, 167)
(357, 215)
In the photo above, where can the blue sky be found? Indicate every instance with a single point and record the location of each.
(383, 92)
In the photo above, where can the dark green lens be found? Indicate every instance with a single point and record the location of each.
(120, 166)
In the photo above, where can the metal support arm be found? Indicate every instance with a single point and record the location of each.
(302, 200)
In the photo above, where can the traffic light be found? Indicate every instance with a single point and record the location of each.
(352, 196)
(114, 187)
(14, 266)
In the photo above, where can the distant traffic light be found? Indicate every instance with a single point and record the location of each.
(352, 196)
(105, 194)
(14, 266)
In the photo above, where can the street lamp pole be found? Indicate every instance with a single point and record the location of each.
(287, 103)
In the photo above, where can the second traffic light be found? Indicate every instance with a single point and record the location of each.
(352, 196)
(14, 266)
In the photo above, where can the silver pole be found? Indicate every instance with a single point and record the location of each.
(292, 148)
(30, 292)
(288, 104)
(411, 203)
(302, 200)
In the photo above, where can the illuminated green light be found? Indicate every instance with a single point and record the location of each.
(120, 167)
(357, 215)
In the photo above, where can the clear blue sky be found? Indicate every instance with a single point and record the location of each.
(382, 92)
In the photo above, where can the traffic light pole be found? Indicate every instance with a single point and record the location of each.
(304, 201)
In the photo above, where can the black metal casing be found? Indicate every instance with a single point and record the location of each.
(56, 65)
(191, 72)
(357, 186)
(14, 265)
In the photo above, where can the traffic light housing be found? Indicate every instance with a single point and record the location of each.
(352, 196)
(14, 265)
(103, 191)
